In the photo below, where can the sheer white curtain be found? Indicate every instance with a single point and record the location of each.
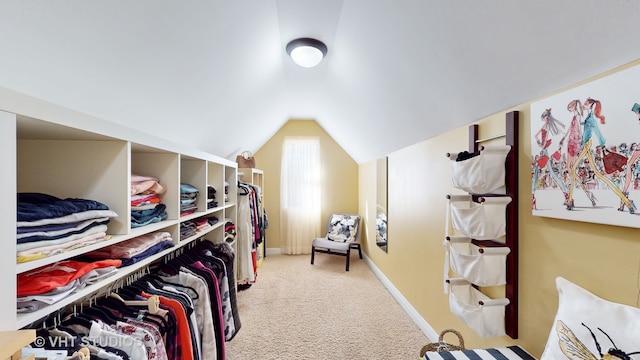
(299, 194)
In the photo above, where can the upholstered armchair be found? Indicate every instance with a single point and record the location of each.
(343, 234)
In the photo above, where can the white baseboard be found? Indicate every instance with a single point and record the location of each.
(410, 310)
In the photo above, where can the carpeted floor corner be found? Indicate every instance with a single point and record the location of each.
(296, 310)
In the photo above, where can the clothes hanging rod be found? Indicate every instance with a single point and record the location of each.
(490, 138)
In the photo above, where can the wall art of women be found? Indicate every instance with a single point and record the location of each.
(634, 151)
(593, 108)
(573, 136)
(550, 127)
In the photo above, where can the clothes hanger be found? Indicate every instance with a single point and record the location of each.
(172, 266)
(187, 253)
(160, 282)
(138, 287)
(117, 305)
(68, 330)
(163, 324)
(131, 311)
(128, 293)
(83, 353)
(155, 319)
(80, 321)
(59, 326)
(204, 246)
(101, 314)
(95, 313)
(152, 303)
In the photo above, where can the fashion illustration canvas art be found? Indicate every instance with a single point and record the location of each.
(585, 145)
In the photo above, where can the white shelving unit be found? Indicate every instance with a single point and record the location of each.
(256, 177)
(50, 149)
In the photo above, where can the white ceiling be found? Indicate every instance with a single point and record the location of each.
(214, 74)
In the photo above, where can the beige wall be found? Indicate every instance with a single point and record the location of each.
(603, 259)
(339, 184)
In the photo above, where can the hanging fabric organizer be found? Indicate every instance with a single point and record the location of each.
(483, 249)
(480, 173)
(483, 266)
(483, 220)
(482, 314)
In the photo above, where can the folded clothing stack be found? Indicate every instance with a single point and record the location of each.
(146, 204)
(48, 225)
(134, 250)
(188, 197)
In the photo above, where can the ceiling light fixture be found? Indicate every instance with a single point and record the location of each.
(306, 52)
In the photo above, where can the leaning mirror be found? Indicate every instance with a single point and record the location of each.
(381, 203)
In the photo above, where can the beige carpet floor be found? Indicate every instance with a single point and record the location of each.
(296, 310)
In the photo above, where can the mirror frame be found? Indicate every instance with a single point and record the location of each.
(382, 203)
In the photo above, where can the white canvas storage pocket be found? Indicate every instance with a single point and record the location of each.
(481, 174)
(480, 221)
(483, 266)
(480, 313)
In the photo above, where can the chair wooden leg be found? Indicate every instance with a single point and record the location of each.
(348, 257)
(313, 253)
(360, 251)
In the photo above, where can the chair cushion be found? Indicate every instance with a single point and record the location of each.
(343, 228)
(329, 244)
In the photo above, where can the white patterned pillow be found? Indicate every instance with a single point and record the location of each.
(584, 321)
(343, 228)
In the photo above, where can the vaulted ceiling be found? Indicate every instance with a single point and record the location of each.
(214, 74)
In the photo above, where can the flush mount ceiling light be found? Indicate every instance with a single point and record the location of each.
(306, 52)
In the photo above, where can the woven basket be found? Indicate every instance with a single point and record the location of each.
(443, 346)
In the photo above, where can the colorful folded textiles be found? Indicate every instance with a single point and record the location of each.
(145, 185)
(148, 216)
(47, 285)
(42, 280)
(48, 225)
(188, 198)
(37, 206)
(130, 248)
(146, 204)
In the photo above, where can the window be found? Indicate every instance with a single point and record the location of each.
(300, 194)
